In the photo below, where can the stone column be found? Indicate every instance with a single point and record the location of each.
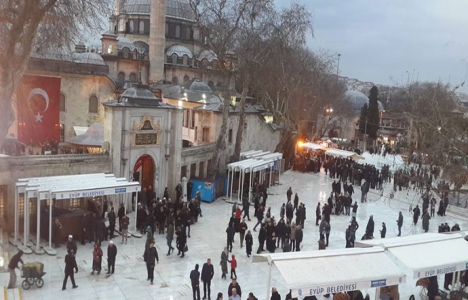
(157, 40)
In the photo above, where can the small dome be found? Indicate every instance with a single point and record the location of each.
(358, 100)
(140, 92)
(123, 42)
(197, 86)
(208, 55)
(179, 50)
(89, 58)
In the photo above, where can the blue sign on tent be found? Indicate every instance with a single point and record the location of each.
(121, 190)
(380, 282)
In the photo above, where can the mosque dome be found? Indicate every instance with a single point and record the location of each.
(196, 86)
(208, 55)
(89, 58)
(358, 100)
(177, 9)
(179, 50)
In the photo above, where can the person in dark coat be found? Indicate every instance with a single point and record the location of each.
(318, 215)
(57, 232)
(432, 288)
(195, 279)
(274, 294)
(416, 214)
(296, 202)
(248, 243)
(97, 258)
(151, 257)
(70, 265)
(120, 214)
(181, 241)
(12, 267)
(71, 245)
(100, 227)
(400, 222)
(370, 227)
(112, 217)
(262, 235)
(111, 255)
(230, 231)
(383, 231)
(425, 221)
(234, 285)
(206, 276)
(289, 194)
(299, 237)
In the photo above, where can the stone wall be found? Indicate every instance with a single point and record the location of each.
(14, 168)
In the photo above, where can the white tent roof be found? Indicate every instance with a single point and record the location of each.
(340, 153)
(256, 165)
(407, 240)
(436, 258)
(272, 156)
(261, 154)
(249, 154)
(333, 271)
(77, 186)
(313, 146)
(238, 164)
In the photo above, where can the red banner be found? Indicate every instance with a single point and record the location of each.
(38, 102)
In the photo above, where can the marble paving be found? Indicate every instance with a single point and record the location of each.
(207, 240)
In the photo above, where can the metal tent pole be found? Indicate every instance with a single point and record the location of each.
(227, 189)
(16, 214)
(50, 220)
(232, 183)
(38, 223)
(25, 215)
(136, 209)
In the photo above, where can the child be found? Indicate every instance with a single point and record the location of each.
(233, 262)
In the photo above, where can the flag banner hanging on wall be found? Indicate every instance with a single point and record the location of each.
(38, 102)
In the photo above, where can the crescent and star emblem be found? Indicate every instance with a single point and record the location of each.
(40, 92)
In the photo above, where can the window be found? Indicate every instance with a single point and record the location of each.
(132, 77)
(62, 133)
(230, 136)
(75, 203)
(192, 119)
(186, 78)
(177, 31)
(62, 102)
(110, 49)
(175, 80)
(174, 59)
(196, 133)
(93, 104)
(186, 117)
(167, 29)
(142, 27)
(121, 78)
(131, 26)
(180, 60)
(188, 33)
(126, 52)
(206, 134)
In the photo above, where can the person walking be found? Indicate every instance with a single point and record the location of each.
(71, 245)
(274, 294)
(383, 231)
(400, 222)
(206, 276)
(97, 258)
(242, 228)
(230, 232)
(120, 214)
(318, 214)
(259, 215)
(224, 261)
(169, 238)
(181, 241)
(195, 279)
(425, 221)
(236, 286)
(70, 265)
(125, 223)
(151, 257)
(233, 262)
(112, 217)
(12, 267)
(111, 254)
(248, 243)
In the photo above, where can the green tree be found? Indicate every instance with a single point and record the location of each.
(363, 119)
(373, 113)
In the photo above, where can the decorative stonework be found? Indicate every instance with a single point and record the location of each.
(146, 123)
(148, 132)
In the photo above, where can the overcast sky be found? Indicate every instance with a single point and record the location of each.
(388, 42)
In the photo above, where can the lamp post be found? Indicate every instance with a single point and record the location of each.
(338, 66)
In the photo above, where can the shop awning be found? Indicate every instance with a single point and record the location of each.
(334, 271)
(427, 254)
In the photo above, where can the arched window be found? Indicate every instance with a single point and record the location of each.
(132, 26)
(142, 27)
(93, 105)
(174, 59)
(175, 80)
(187, 33)
(186, 78)
(185, 59)
(132, 77)
(126, 52)
(177, 31)
(62, 102)
(121, 78)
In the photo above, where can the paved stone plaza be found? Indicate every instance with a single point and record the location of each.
(207, 240)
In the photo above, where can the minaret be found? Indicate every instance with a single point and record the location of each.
(157, 40)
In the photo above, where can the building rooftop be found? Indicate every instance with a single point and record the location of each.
(177, 9)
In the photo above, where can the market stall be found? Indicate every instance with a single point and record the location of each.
(58, 188)
(334, 271)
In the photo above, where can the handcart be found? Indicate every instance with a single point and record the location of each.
(32, 274)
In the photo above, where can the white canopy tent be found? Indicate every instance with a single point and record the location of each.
(447, 253)
(334, 271)
(313, 146)
(407, 240)
(276, 158)
(249, 154)
(60, 188)
(341, 153)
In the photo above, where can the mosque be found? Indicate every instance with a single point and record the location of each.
(143, 104)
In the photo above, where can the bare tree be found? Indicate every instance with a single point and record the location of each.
(221, 22)
(38, 26)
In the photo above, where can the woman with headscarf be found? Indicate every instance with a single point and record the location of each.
(224, 262)
(97, 258)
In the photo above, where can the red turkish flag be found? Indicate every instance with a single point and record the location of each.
(38, 102)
